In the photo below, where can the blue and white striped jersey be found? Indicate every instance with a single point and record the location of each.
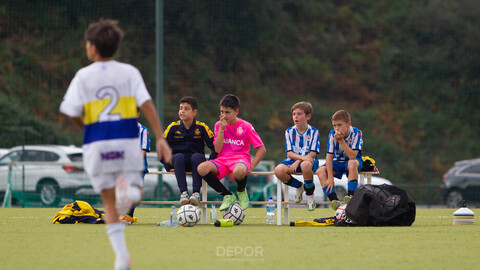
(144, 142)
(302, 144)
(354, 141)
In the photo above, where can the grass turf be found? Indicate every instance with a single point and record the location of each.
(31, 241)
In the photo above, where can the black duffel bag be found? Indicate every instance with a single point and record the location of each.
(379, 205)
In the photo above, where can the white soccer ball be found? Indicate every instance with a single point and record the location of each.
(236, 213)
(340, 213)
(188, 215)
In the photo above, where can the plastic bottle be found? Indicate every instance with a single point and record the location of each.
(213, 215)
(223, 223)
(173, 217)
(270, 211)
(173, 222)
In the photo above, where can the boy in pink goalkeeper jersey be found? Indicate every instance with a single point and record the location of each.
(232, 143)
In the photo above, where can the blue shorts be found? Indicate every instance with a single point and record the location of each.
(340, 167)
(299, 168)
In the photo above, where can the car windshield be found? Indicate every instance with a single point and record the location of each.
(11, 157)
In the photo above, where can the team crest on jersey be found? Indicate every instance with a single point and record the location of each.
(239, 130)
(308, 137)
(349, 141)
(197, 131)
(178, 132)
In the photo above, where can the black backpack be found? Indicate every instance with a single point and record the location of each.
(379, 205)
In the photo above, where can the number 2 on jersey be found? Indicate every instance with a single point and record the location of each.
(106, 114)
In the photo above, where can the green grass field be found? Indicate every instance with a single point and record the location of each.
(31, 241)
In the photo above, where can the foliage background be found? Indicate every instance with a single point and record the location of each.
(406, 70)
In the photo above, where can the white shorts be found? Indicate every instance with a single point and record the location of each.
(107, 181)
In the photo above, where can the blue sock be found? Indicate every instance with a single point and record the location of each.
(294, 183)
(352, 185)
(309, 184)
(328, 193)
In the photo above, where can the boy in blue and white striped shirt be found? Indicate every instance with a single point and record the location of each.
(344, 155)
(145, 146)
(302, 147)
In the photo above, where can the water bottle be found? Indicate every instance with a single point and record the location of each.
(213, 214)
(173, 217)
(270, 211)
(173, 222)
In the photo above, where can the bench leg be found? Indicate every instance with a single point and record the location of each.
(279, 201)
(285, 210)
(204, 199)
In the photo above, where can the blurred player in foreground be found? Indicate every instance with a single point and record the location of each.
(103, 98)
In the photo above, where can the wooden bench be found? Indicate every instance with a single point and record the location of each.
(279, 203)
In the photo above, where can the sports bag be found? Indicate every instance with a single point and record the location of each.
(368, 164)
(78, 212)
(379, 205)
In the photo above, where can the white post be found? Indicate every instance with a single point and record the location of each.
(279, 200)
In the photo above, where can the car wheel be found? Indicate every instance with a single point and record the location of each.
(341, 192)
(166, 192)
(49, 193)
(454, 199)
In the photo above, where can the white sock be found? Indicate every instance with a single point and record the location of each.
(116, 234)
(135, 194)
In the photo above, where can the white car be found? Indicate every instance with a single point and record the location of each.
(44, 172)
(3, 151)
(340, 186)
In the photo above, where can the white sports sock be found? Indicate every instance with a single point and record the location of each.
(116, 234)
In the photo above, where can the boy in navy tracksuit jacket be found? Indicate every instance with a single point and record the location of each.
(187, 138)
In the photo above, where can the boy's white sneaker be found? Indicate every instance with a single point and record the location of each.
(195, 199)
(311, 205)
(299, 194)
(122, 263)
(184, 198)
(123, 201)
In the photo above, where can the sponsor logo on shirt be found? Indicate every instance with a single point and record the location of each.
(234, 142)
(112, 155)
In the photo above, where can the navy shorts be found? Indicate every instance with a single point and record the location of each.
(299, 168)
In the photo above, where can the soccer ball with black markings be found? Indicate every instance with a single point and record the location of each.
(340, 213)
(236, 213)
(188, 215)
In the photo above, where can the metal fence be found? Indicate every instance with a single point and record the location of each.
(51, 184)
